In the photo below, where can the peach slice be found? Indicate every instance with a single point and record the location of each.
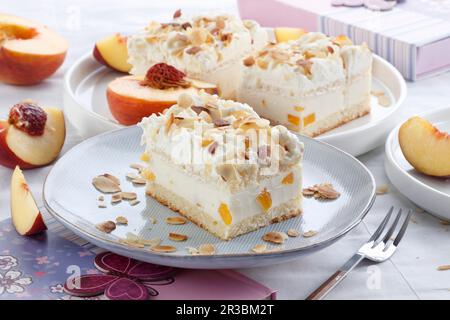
(285, 34)
(130, 101)
(112, 52)
(26, 217)
(425, 147)
(28, 148)
(29, 52)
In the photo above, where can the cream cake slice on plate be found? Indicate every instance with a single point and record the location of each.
(223, 167)
(208, 48)
(310, 85)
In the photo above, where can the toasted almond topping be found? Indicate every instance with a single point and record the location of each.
(128, 195)
(111, 177)
(221, 122)
(177, 14)
(177, 237)
(293, 233)
(193, 50)
(212, 147)
(101, 198)
(444, 222)
(176, 220)
(134, 202)
(139, 181)
(310, 233)
(121, 220)
(383, 189)
(275, 237)
(107, 226)
(443, 268)
(136, 166)
(321, 191)
(220, 22)
(132, 176)
(164, 249)
(259, 248)
(101, 204)
(105, 185)
(206, 249)
(116, 198)
(249, 61)
(150, 242)
(198, 36)
(131, 243)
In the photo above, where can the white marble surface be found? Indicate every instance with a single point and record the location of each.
(410, 274)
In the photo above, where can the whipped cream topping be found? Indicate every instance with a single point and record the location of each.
(309, 63)
(221, 140)
(195, 45)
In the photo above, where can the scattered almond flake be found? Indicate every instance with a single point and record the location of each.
(444, 267)
(128, 195)
(150, 242)
(276, 249)
(137, 166)
(176, 220)
(377, 93)
(309, 234)
(192, 250)
(165, 249)
(193, 50)
(168, 124)
(121, 220)
(134, 202)
(275, 237)
(139, 181)
(177, 237)
(321, 191)
(221, 122)
(105, 185)
(111, 177)
(101, 198)
(293, 233)
(101, 204)
(384, 101)
(132, 176)
(383, 189)
(131, 243)
(259, 248)
(445, 222)
(107, 226)
(116, 198)
(206, 249)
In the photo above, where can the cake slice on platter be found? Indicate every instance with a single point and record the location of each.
(219, 164)
(207, 48)
(311, 85)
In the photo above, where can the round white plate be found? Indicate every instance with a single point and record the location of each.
(87, 109)
(70, 198)
(429, 193)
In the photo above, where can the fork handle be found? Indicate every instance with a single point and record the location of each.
(336, 278)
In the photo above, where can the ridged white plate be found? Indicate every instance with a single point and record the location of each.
(430, 193)
(70, 198)
(87, 109)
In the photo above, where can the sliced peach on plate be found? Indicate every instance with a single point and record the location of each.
(29, 52)
(112, 52)
(425, 147)
(284, 34)
(132, 98)
(26, 217)
(32, 136)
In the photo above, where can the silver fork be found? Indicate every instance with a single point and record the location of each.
(378, 249)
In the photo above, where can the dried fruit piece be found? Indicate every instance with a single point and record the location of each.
(293, 120)
(293, 233)
(225, 214)
(289, 179)
(206, 142)
(263, 64)
(105, 185)
(121, 220)
(299, 109)
(275, 237)
(128, 195)
(309, 119)
(265, 200)
(165, 249)
(176, 220)
(342, 40)
(28, 117)
(177, 237)
(145, 157)
(259, 248)
(148, 174)
(163, 76)
(310, 233)
(107, 226)
(249, 61)
(206, 249)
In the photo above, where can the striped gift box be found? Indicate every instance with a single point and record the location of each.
(414, 36)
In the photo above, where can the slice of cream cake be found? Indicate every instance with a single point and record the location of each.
(219, 164)
(208, 48)
(310, 85)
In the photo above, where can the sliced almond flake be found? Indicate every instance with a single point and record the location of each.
(383, 189)
(101, 204)
(131, 243)
(293, 233)
(132, 176)
(139, 181)
(377, 93)
(111, 177)
(107, 226)
(177, 237)
(309, 234)
(134, 202)
(445, 222)
(384, 101)
(101, 198)
(259, 248)
(443, 267)
(128, 195)
(176, 220)
(137, 166)
(321, 191)
(206, 249)
(165, 249)
(121, 220)
(150, 242)
(275, 237)
(105, 185)
(116, 198)
(192, 250)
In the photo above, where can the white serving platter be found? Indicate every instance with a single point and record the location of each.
(430, 193)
